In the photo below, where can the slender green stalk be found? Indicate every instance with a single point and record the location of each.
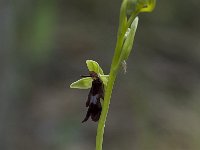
(121, 53)
(108, 93)
(101, 124)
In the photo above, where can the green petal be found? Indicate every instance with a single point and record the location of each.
(84, 83)
(104, 78)
(94, 66)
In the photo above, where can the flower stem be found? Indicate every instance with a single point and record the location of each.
(108, 93)
(120, 54)
(101, 124)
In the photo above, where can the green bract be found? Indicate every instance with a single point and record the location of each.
(128, 44)
(86, 82)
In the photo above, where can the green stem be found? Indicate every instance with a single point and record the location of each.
(118, 57)
(108, 93)
(101, 124)
(112, 76)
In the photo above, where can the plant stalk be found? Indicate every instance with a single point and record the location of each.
(108, 93)
(116, 62)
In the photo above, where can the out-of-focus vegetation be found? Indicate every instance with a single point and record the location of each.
(43, 47)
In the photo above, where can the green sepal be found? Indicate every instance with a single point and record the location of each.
(104, 78)
(84, 83)
(94, 66)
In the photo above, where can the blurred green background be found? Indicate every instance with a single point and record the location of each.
(43, 48)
